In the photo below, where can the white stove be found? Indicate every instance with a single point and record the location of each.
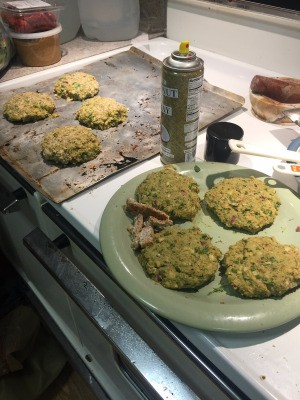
(264, 365)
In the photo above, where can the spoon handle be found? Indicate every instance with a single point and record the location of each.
(238, 146)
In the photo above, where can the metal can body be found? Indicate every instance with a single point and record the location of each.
(182, 83)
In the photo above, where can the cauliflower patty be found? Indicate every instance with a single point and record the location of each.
(70, 145)
(76, 86)
(180, 258)
(261, 267)
(171, 192)
(28, 107)
(101, 113)
(243, 203)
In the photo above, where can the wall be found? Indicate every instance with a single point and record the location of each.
(266, 41)
(153, 17)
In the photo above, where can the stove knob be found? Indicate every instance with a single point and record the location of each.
(10, 202)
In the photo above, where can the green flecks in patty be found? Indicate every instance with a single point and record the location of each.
(101, 113)
(28, 107)
(169, 191)
(243, 203)
(70, 145)
(261, 267)
(181, 258)
(76, 86)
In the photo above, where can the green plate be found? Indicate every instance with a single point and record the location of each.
(214, 307)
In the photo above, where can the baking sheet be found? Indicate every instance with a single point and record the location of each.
(132, 78)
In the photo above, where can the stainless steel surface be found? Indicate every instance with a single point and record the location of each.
(293, 115)
(159, 379)
(131, 72)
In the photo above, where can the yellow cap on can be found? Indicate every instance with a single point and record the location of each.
(184, 47)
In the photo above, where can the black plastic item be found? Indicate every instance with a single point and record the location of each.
(217, 147)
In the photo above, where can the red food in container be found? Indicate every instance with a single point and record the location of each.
(19, 19)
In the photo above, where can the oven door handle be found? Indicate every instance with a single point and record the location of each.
(145, 366)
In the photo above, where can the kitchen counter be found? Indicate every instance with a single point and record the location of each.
(265, 365)
(77, 49)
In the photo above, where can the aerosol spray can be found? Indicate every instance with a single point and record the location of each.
(182, 83)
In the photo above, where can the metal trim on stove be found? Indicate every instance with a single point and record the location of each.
(204, 365)
(73, 358)
(143, 362)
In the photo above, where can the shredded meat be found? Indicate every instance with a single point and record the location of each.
(147, 220)
(133, 207)
(135, 231)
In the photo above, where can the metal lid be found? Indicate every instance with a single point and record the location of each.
(179, 61)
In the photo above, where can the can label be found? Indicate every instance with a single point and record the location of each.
(180, 109)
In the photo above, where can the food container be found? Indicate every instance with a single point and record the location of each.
(17, 17)
(38, 49)
(217, 147)
(7, 49)
(69, 20)
(109, 20)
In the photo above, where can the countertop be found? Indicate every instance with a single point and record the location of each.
(77, 49)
